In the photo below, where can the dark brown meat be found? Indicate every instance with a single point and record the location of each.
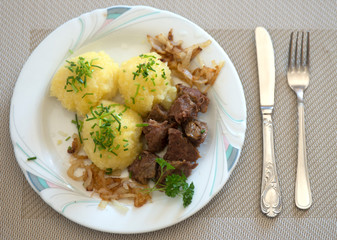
(196, 131)
(156, 135)
(179, 148)
(184, 167)
(183, 109)
(144, 167)
(158, 113)
(200, 99)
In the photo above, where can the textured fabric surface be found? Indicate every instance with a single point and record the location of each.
(235, 212)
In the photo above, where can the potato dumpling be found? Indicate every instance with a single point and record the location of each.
(111, 135)
(85, 80)
(145, 81)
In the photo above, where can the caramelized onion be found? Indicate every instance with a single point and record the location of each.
(108, 187)
(179, 61)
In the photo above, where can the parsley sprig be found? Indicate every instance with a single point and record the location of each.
(175, 185)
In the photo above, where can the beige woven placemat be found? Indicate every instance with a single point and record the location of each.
(234, 212)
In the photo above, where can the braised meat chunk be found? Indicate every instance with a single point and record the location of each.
(156, 135)
(158, 113)
(200, 99)
(144, 167)
(179, 148)
(183, 109)
(196, 131)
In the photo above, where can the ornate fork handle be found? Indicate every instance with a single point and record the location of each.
(271, 203)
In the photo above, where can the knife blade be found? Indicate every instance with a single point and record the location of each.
(271, 203)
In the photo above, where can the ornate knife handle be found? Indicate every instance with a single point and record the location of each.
(271, 203)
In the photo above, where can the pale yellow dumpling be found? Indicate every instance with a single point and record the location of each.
(112, 135)
(98, 81)
(145, 81)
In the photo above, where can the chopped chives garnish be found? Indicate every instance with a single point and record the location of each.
(119, 123)
(79, 125)
(144, 68)
(82, 70)
(153, 90)
(146, 56)
(126, 144)
(108, 171)
(142, 124)
(97, 66)
(163, 75)
(31, 158)
(125, 109)
(202, 131)
(137, 90)
(87, 94)
(67, 138)
(154, 84)
(105, 127)
(125, 149)
(125, 140)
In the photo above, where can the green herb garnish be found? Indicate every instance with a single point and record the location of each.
(31, 158)
(82, 69)
(86, 94)
(175, 185)
(79, 125)
(144, 68)
(137, 90)
(108, 127)
(163, 75)
(202, 131)
(108, 171)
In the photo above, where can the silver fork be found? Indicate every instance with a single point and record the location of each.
(298, 80)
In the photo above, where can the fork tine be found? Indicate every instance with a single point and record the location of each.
(290, 49)
(301, 63)
(296, 49)
(308, 49)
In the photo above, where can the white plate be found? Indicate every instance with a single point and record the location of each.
(37, 121)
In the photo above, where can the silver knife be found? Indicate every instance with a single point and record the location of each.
(271, 203)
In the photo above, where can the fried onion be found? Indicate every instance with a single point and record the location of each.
(109, 186)
(179, 61)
